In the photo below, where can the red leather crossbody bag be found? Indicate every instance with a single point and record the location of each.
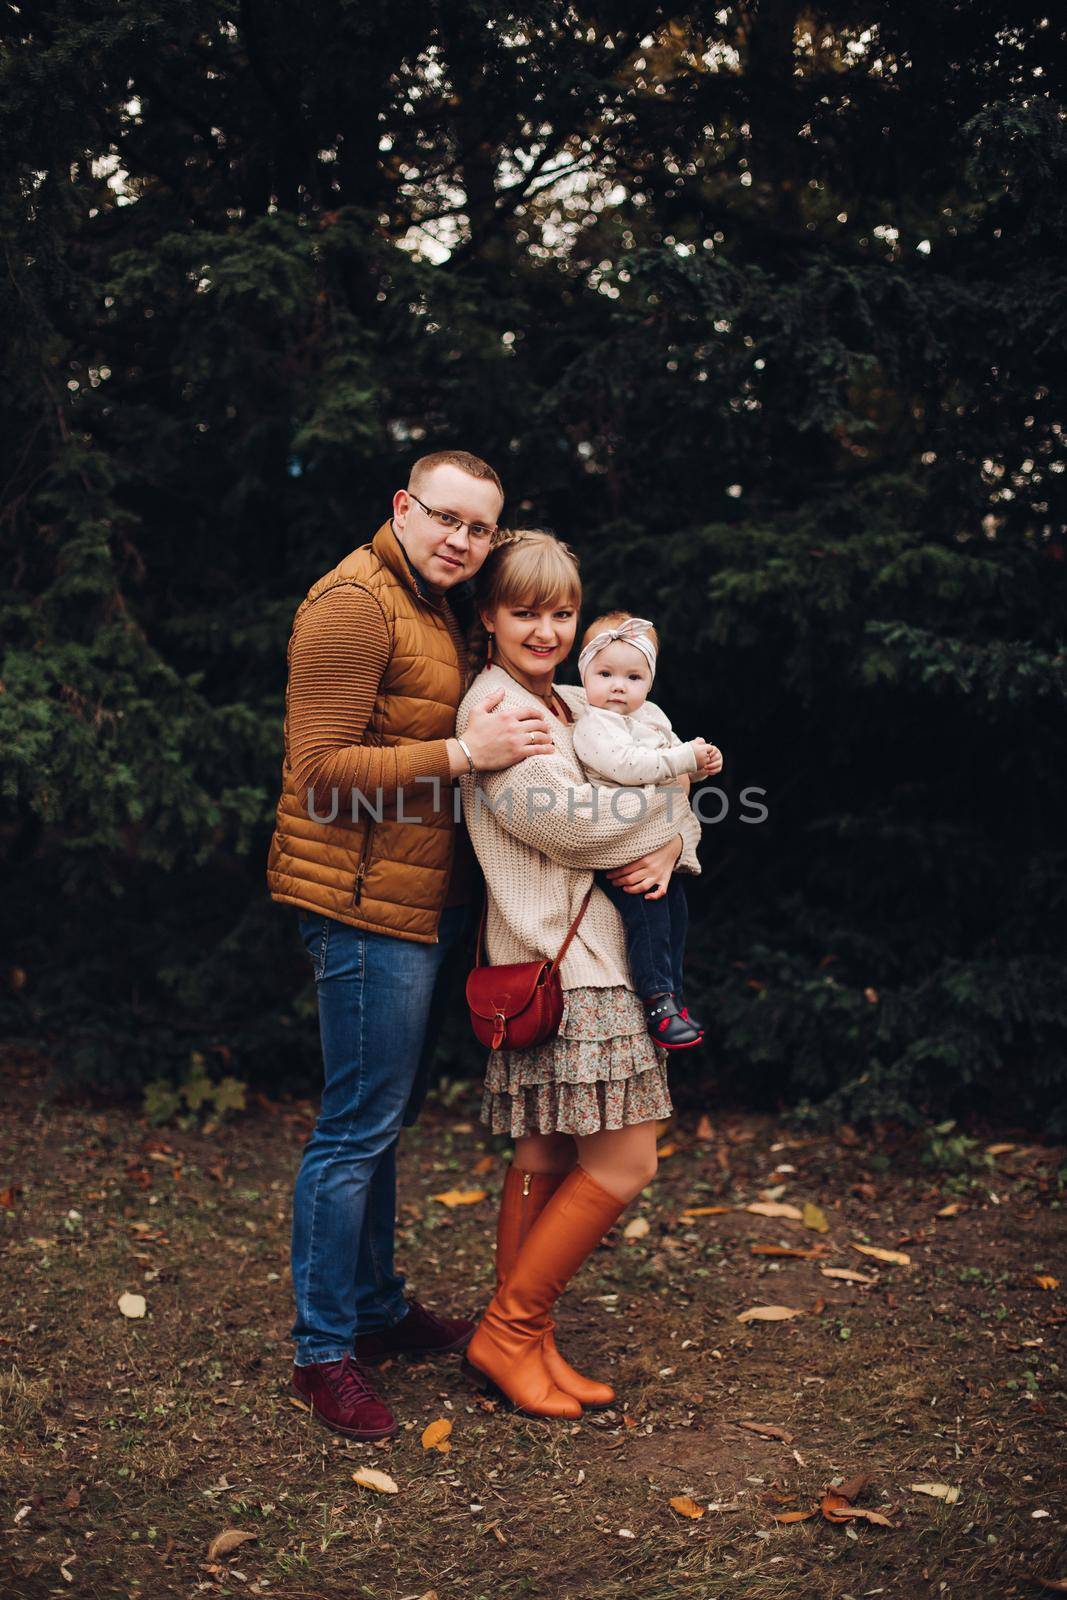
(515, 1007)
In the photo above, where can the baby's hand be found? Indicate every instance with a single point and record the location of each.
(709, 758)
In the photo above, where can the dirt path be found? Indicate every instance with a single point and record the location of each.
(127, 1445)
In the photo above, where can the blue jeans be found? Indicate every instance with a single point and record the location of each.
(655, 937)
(379, 1005)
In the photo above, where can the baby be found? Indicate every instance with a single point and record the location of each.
(624, 739)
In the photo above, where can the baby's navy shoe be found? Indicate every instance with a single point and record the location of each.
(667, 1025)
(684, 1011)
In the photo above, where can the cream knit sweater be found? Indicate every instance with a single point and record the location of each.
(539, 840)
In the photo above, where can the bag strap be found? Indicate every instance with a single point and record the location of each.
(571, 931)
(564, 947)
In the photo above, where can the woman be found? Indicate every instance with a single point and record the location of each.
(582, 1108)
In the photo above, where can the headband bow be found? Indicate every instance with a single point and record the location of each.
(634, 630)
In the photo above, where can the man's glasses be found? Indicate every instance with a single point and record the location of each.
(447, 519)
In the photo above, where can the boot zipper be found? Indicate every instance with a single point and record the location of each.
(524, 1228)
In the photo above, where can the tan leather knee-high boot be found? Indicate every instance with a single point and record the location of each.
(508, 1344)
(523, 1198)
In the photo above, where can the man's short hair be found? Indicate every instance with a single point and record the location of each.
(473, 466)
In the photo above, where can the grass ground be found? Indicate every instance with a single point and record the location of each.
(126, 1446)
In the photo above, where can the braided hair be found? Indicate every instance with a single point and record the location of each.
(526, 566)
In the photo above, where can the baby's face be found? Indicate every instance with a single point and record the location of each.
(618, 678)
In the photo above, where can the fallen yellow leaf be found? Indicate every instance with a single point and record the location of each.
(460, 1197)
(371, 1478)
(686, 1506)
(846, 1275)
(951, 1210)
(1044, 1280)
(704, 1211)
(896, 1256)
(769, 1314)
(666, 1150)
(132, 1305)
(814, 1217)
(435, 1436)
(775, 1208)
(704, 1127)
(299, 1404)
(835, 1508)
(792, 1516)
(998, 1149)
(637, 1228)
(796, 1252)
(938, 1491)
(767, 1430)
(223, 1543)
(484, 1164)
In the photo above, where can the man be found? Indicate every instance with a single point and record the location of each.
(365, 847)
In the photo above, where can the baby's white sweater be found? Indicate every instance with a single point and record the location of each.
(639, 747)
(539, 840)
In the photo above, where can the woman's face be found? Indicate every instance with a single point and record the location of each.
(531, 641)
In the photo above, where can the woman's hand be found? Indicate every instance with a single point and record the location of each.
(650, 874)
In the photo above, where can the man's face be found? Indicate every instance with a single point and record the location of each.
(446, 556)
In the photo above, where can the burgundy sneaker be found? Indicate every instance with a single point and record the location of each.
(420, 1333)
(341, 1398)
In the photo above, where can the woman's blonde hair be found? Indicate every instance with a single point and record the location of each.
(526, 567)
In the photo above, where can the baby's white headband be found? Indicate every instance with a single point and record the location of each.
(634, 630)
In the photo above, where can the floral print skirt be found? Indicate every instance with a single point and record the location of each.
(601, 1071)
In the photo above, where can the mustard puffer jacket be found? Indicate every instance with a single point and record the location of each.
(366, 823)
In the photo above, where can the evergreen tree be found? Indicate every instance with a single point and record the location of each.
(761, 308)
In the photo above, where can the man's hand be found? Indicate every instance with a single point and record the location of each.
(709, 758)
(499, 736)
(649, 875)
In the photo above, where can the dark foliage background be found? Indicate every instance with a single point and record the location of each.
(761, 307)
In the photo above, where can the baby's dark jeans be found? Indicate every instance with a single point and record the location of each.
(655, 937)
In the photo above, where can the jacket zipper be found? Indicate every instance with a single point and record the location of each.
(361, 870)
